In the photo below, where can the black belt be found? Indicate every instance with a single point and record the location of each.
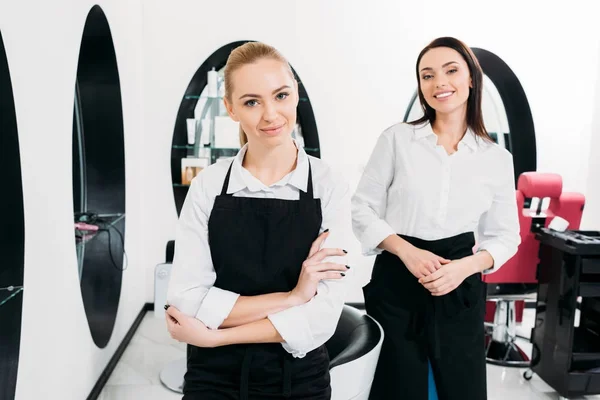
(244, 378)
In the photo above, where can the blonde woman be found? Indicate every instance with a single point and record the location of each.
(252, 292)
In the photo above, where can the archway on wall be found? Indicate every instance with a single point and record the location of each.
(99, 177)
(188, 155)
(12, 235)
(506, 111)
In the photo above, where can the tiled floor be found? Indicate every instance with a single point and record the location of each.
(137, 374)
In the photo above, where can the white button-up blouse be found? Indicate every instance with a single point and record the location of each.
(412, 186)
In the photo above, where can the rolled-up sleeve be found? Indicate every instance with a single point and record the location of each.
(191, 286)
(308, 326)
(499, 226)
(369, 200)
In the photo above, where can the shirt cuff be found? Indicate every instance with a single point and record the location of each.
(374, 235)
(497, 252)
(290, 324)
(216, 307)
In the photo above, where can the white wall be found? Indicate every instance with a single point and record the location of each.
(356, 61)
(58, 358)
(591, 215)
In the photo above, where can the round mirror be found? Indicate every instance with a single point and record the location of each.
(12, 235)
(506, 113)
(99, 177)
(204, 133)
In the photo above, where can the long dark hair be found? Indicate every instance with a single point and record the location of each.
(474, 114)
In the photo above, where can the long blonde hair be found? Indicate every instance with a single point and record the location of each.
(248, 53)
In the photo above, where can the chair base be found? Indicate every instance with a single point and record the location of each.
(506, 354)
(500, 336)
(172, 375)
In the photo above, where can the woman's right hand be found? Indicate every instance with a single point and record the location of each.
(314, 270)
(421, 262)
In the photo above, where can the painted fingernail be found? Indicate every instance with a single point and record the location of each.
(347, 266)
(326, 230)
(344, 251)
(167, 306)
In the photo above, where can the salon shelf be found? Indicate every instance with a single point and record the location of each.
(104, 221)
(180, 185)
(193, 97)
(215, 153)
(586, 349)
(8, 293)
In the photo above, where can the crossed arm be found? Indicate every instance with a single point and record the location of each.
(248, 321)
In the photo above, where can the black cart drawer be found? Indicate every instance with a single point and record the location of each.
(590, 265)
(582, 384)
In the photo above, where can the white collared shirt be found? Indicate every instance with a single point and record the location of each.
(191, 289)
(412, 186)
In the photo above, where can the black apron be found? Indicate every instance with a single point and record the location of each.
(448, 331)
(258, 247)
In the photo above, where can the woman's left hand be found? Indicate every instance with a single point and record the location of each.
(449, 277)
(189, 330)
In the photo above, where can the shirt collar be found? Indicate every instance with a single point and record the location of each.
(241, 178)
(470, 140)
(425, 131)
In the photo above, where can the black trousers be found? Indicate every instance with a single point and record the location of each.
(448, 330)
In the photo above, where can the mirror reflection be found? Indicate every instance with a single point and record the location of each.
(98, 157)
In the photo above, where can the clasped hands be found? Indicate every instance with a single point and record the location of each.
(438, 275)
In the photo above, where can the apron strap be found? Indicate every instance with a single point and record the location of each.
(435, 329)
(245, 373)
(423, 328)
(287, 376)
(308, 195)
(226, 183)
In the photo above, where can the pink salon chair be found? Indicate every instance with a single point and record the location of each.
(516, 281)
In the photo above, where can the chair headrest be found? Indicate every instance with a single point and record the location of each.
(540, 184)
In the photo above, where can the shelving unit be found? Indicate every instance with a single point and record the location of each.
(8, 293)
(218, 152)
